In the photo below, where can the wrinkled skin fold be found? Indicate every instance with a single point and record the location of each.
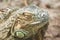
(28, 23)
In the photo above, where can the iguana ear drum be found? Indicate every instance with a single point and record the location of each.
(19, 34)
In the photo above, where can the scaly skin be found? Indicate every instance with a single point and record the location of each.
(31, 20)
(5, 13)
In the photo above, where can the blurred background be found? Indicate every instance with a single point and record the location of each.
(53, 8)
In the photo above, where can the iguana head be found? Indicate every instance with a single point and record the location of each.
(31, 19)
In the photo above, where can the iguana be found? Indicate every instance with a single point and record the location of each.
(27, 23)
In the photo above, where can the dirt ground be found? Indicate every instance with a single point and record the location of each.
(53, 8)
